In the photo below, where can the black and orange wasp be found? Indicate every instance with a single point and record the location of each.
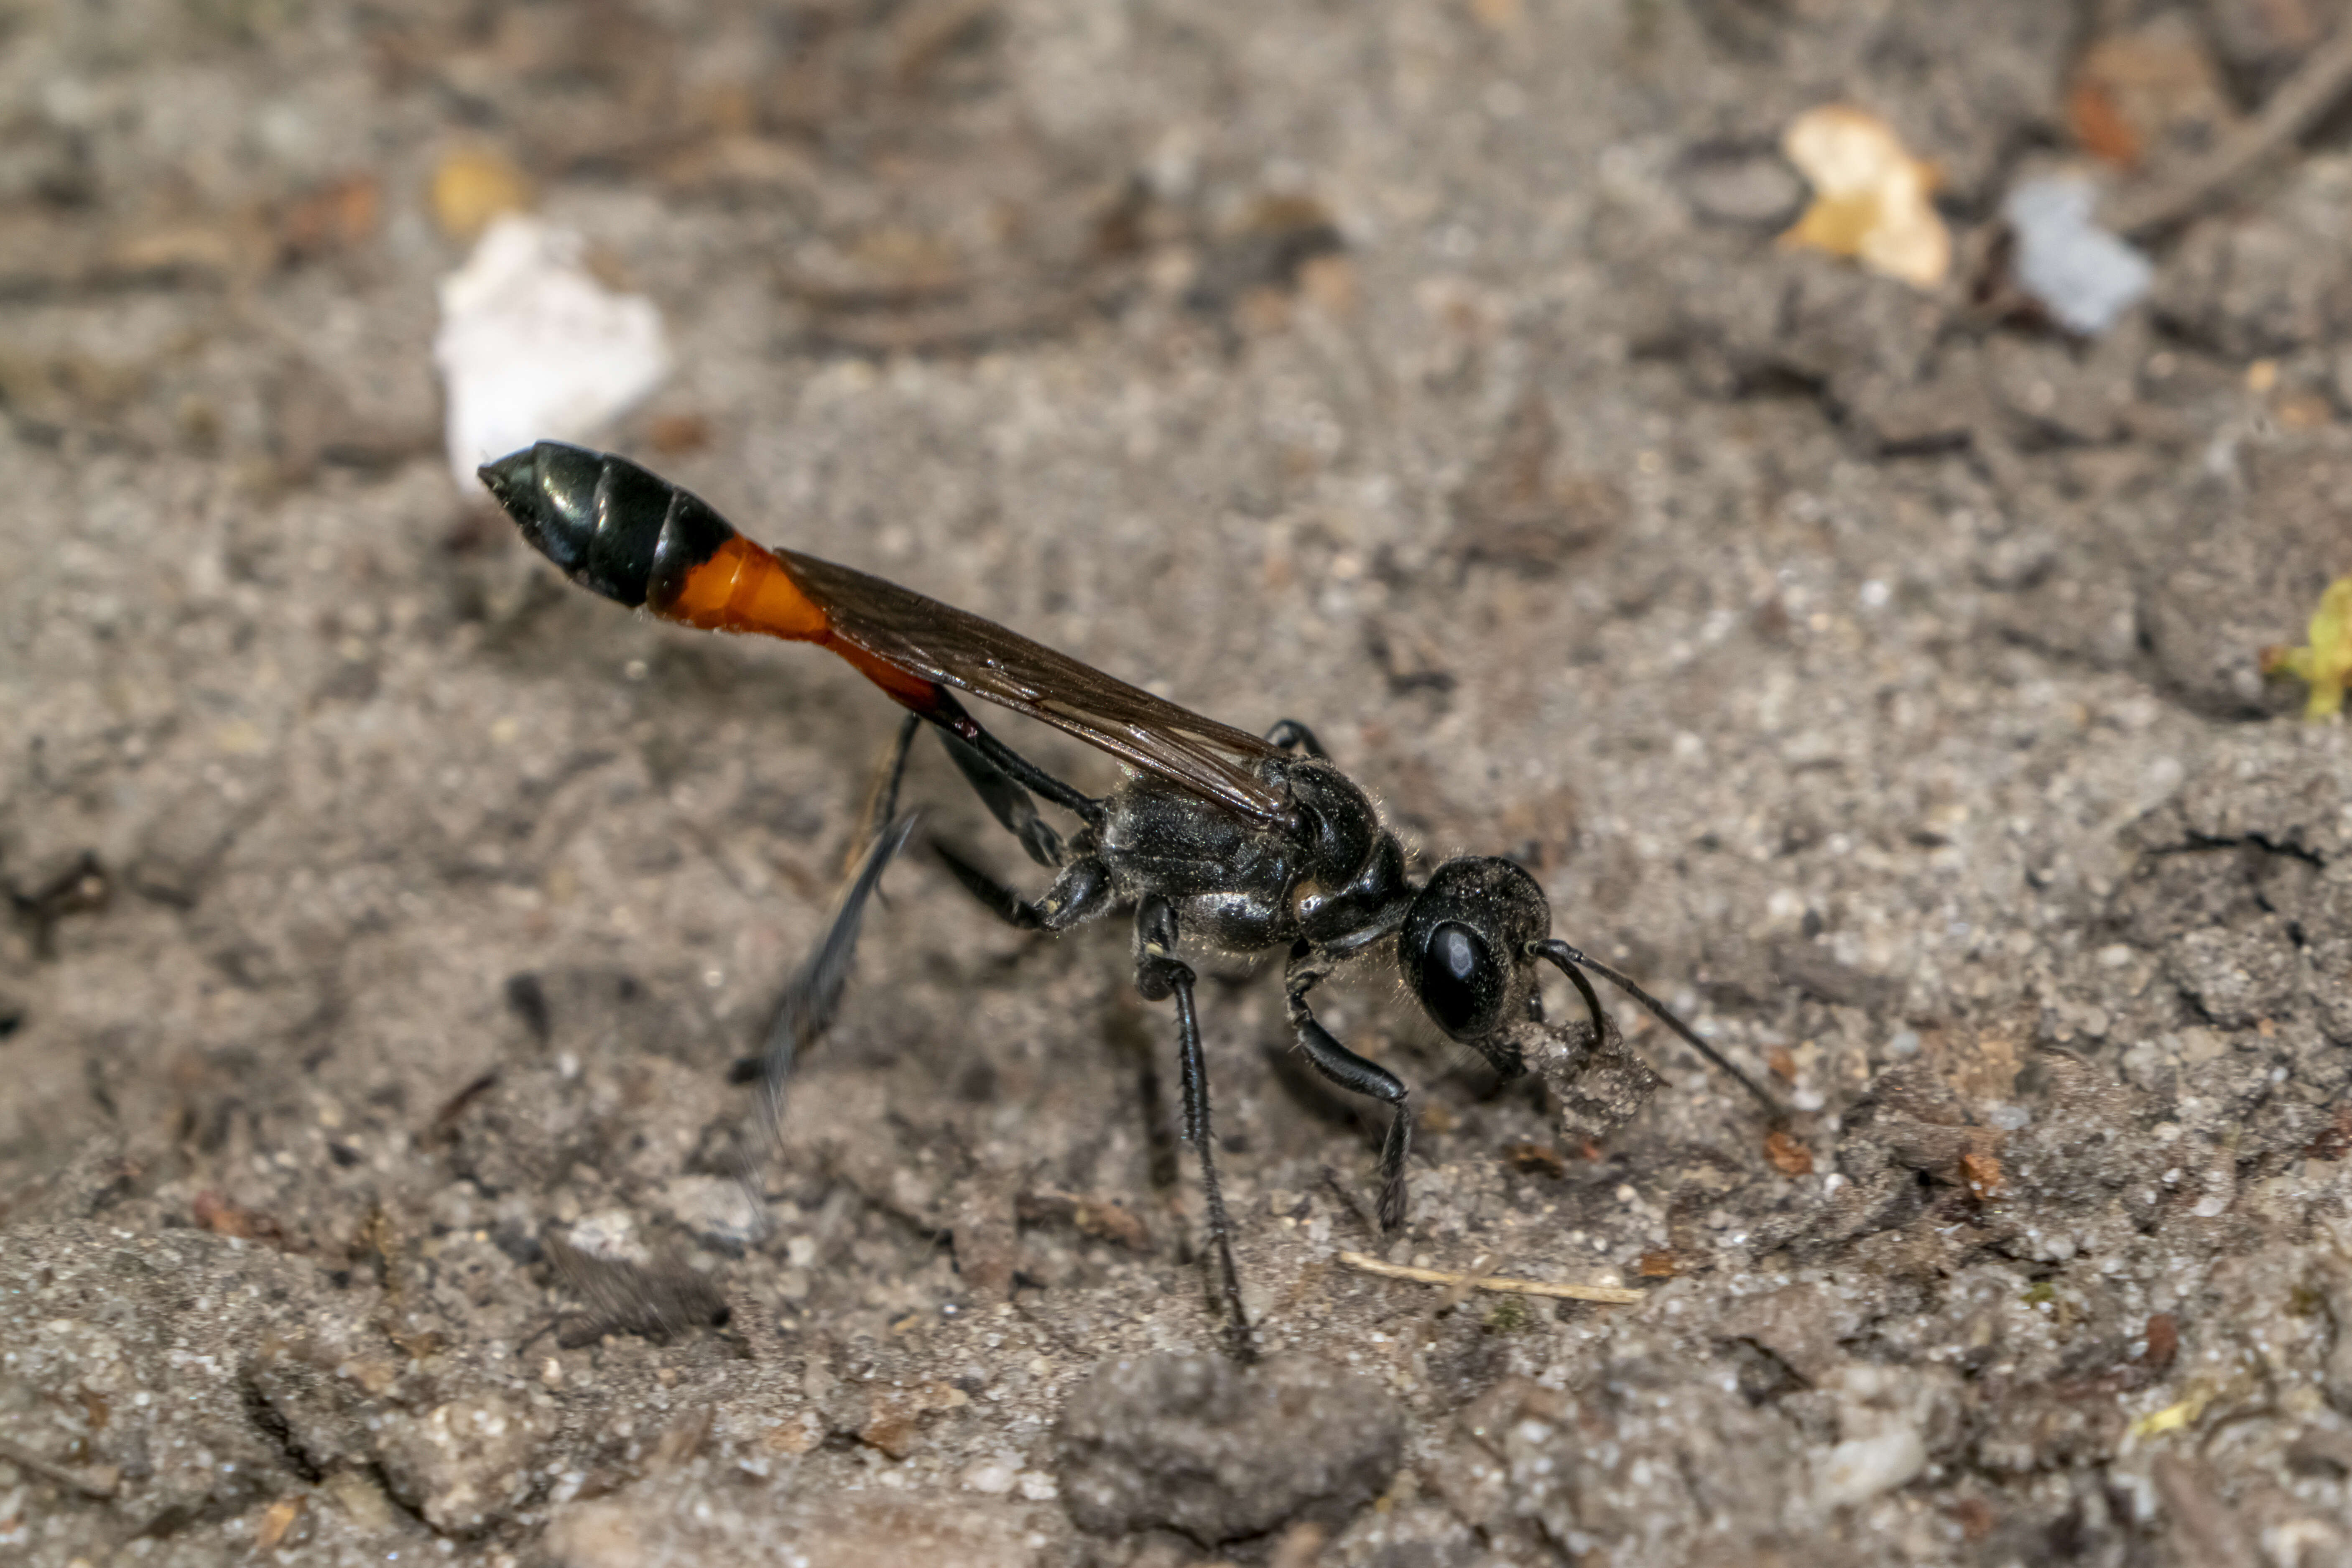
(1236, 842)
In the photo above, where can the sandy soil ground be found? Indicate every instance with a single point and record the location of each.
(1873, 672)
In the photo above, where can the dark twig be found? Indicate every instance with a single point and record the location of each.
(101, 1482)
(2293, 108)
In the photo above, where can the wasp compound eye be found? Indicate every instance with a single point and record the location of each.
(1459, 982)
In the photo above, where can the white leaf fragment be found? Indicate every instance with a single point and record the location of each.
(2083, 276)
(532, 347)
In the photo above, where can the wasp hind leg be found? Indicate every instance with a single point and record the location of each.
(882, 800)
(812, 995)
(1005, 779)
(1081, 892)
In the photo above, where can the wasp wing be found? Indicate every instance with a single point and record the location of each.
(939, 643)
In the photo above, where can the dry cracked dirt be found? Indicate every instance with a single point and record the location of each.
(1872, 672)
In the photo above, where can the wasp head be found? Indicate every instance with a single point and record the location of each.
(1468, 948)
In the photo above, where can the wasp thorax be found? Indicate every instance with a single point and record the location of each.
(1353, 883)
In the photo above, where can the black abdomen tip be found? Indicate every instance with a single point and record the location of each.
(604, 520)
(550, 490)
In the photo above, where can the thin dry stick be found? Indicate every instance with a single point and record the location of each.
(103, 1481)
(2293, 108)
(1609, 1294)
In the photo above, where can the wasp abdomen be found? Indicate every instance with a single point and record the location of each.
(610, 525)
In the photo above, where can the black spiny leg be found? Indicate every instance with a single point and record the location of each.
(1006, 800)
(1081, 892)
(812, 995)
(1290, 734)
(1005, 779)
(1159, 974)
(882, 798)
(1354, 1073)
(899, 748)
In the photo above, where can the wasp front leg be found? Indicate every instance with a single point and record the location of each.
(1351, 1072)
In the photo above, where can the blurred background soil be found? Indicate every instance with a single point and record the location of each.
(1871, 669)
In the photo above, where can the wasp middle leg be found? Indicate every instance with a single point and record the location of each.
(1158, 974)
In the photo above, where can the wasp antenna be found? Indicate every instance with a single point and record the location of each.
(1571, 961)
(1565, 958)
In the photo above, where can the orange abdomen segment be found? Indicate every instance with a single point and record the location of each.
(744, 588)
(908, 690)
